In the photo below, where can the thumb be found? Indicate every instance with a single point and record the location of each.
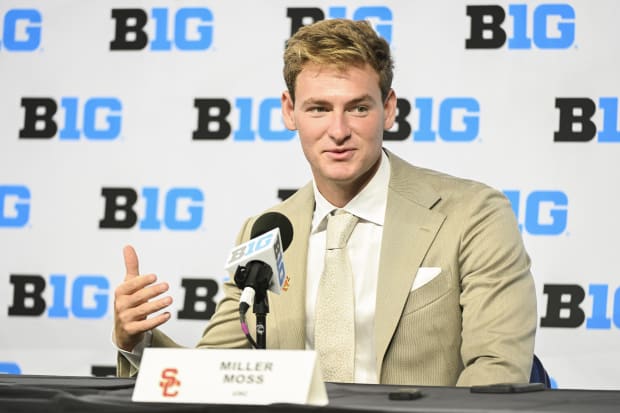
(131, 262)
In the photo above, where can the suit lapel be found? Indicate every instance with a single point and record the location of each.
(409, 229)
(289, 309)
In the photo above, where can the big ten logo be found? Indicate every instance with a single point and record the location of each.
(84, 296)
(21, 30)
(566, 308)
(186, 29)
(452, 119)
(14, 206)
(178, 209)
(9, 367)
(549, 26)
(95, 118)
(277, 251)
(540, 212)
(251, 247)
(576, 124)
(379, 16)
(213, 123)
(199, 302)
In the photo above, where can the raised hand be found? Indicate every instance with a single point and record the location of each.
(134, 301)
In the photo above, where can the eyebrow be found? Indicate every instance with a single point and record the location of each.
(357, 100)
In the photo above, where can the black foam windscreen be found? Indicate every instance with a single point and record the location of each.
(271, 220)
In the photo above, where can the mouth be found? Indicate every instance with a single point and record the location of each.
(340, 154)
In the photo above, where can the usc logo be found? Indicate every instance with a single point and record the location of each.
(168, 382)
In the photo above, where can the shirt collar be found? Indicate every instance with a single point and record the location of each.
(369, 205)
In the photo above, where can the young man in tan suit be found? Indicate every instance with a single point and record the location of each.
(442, 289)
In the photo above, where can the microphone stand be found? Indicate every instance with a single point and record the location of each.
(257, 275)
(261, 309)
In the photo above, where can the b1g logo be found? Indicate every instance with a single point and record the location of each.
(576, 125)
(191, 29)
(552, 26)
(88, 293)
(21, 30)
(14, 206)
(565, 309)
(379, 16)
(213, 121)
(543, 212)
(95, 118)
(453, 119)
(179, 209)
(9, 367)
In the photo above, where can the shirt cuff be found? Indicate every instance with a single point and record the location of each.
(134, 356)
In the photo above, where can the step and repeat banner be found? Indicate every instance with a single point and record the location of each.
(157, 124)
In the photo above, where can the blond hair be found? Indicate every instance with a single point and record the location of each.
(338, 43)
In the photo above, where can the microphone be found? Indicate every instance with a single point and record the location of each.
(256, 260)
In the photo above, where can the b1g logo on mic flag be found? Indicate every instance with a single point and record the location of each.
(266, 248)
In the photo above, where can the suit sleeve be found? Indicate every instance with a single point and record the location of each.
(498, 298)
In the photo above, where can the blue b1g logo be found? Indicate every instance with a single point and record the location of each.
(14, 206)
(95, 118)
(177, 209)
(21, 30)
(543, 212)
(488, 32)
(8, 367)
(191, 29)
(85, 296)
(380, 16)
(565, 306)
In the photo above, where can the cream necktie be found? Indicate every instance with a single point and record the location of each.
(334, 326)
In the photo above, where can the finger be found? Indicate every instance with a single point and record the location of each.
(131, 262)
(129, 315)
(141, 326)
(130, 294)
(147, 309)
(135, 284)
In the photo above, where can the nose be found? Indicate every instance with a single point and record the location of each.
(339, 130)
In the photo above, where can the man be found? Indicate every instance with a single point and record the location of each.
(442, 291)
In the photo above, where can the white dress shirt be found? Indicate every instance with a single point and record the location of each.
(364, 247)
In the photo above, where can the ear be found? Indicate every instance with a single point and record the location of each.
(288, 111)
(389, 110)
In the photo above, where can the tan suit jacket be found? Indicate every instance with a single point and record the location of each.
(472, 324)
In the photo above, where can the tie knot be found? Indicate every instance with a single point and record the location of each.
(339, 228)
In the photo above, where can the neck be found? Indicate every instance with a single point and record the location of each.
(340, 193)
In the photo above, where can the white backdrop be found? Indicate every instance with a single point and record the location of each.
(126, 119)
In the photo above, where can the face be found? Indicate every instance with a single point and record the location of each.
(340, 118)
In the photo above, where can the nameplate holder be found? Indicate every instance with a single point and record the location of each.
(258, 377)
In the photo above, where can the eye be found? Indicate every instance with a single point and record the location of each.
(317, 109)
(360, 110)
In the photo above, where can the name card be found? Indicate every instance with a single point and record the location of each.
(259, 377)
